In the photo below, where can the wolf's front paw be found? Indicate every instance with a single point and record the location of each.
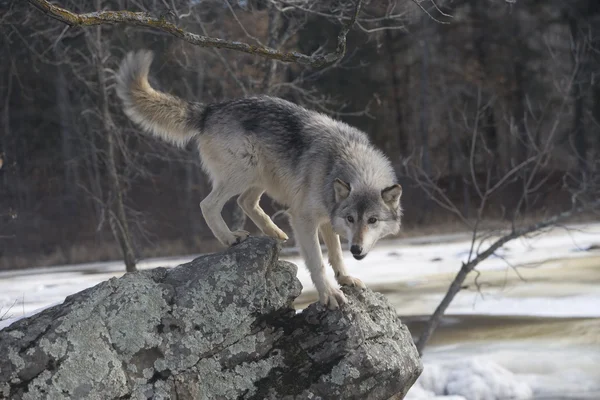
(332, 297)
(237, 237)
(347, 280)
(274, 231)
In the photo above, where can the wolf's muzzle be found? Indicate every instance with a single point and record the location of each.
(356, 252)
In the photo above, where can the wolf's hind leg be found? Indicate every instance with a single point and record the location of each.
(249, 202)
(334, 249)
(307, 236)
(212, 206)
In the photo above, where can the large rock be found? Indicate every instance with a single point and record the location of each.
(219, 327)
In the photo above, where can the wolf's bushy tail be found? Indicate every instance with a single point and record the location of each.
(168, 117)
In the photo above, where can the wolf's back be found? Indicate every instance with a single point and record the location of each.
(168, 117)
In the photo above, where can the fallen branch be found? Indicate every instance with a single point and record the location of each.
(466, 268)
(145, 19)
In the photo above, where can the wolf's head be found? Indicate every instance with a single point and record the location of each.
(364, 215)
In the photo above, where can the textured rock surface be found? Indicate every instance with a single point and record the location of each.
(219, 327)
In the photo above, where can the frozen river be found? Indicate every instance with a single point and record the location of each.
(529, 328)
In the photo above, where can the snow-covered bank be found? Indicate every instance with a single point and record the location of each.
(405, 266)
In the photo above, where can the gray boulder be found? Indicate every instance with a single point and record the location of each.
(219, 327)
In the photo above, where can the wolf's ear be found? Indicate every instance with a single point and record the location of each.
(391, 195)
(342, 190)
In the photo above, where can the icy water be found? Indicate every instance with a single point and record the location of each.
(528, 328)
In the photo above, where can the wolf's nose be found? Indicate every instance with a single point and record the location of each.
(355, 250)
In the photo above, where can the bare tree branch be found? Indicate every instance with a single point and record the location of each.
(418, 3)
(466, 268)
(145, 19)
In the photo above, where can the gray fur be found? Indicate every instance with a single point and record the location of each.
(264, 144)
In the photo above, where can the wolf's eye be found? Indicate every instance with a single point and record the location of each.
(350, 219)
(372, 220)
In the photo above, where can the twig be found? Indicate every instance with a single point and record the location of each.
(4, 315)
(418, 3)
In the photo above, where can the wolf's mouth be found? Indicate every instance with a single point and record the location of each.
(359, 256)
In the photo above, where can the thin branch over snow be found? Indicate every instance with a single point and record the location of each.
(469, 266)
(145, 19)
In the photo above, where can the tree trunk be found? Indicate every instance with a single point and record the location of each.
(424, 112)
(270, 66)
(424, 121)
(396, 96)
(491, 139)
(457, 167)
(578, 131)
(521, 137)
(66, 134)
(117, 215)
(118, 218)
(487, 123)
(595, 66)
(92, 170)
(6, 132)
(596, 116)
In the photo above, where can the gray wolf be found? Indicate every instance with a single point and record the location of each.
(334, 181)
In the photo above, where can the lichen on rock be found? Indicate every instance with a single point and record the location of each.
(220, 327)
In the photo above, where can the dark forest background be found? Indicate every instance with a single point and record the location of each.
(469, 97)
